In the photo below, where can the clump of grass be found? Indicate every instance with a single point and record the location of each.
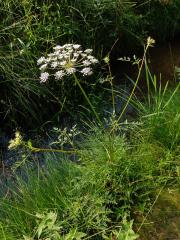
(165, 124)
(161, 113)
(59, 188)
(117, 176)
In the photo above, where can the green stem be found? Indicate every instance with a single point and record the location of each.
(112, 88)
(34, 149)
(135, 85)
(87, 99)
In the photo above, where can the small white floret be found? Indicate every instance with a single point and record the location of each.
(62, 63)
(84, 55)
(43, 67)
(54, 64)
(44, 77)
(76, 55)
(58, 47)
(41, 60)
(76, 46)
(94, 60)
(86, 71)
(86, 63)
(59, 75)
(88, 51)
(70, 71)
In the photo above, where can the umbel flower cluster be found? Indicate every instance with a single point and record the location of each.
(17, 141)
(66, 60)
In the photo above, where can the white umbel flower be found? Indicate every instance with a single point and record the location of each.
(58, 47)
(44, 77)
(43, 67)
(17, 141)
(54, 64)
(92, 59)
(59, 74)
(76, 55)
(86, 71)
(76, 46)
(86, 63)
(88, 51)
(41, 60)
(65, 61)
(70, 70)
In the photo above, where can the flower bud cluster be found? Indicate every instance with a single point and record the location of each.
(17, 141)
(66, 60)
(66, 135)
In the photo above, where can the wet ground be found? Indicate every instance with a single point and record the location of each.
(163, 223)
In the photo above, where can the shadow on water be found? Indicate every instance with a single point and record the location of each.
(162, 60)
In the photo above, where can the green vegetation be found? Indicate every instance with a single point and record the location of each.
(117, 177)
(101, 178)
(29, 28)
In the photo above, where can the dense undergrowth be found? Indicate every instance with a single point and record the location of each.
(117, 175)
(101, 178)
(29, 28)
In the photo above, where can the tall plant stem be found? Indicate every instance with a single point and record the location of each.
(87, 99)
(135, 85)
(112, 88)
